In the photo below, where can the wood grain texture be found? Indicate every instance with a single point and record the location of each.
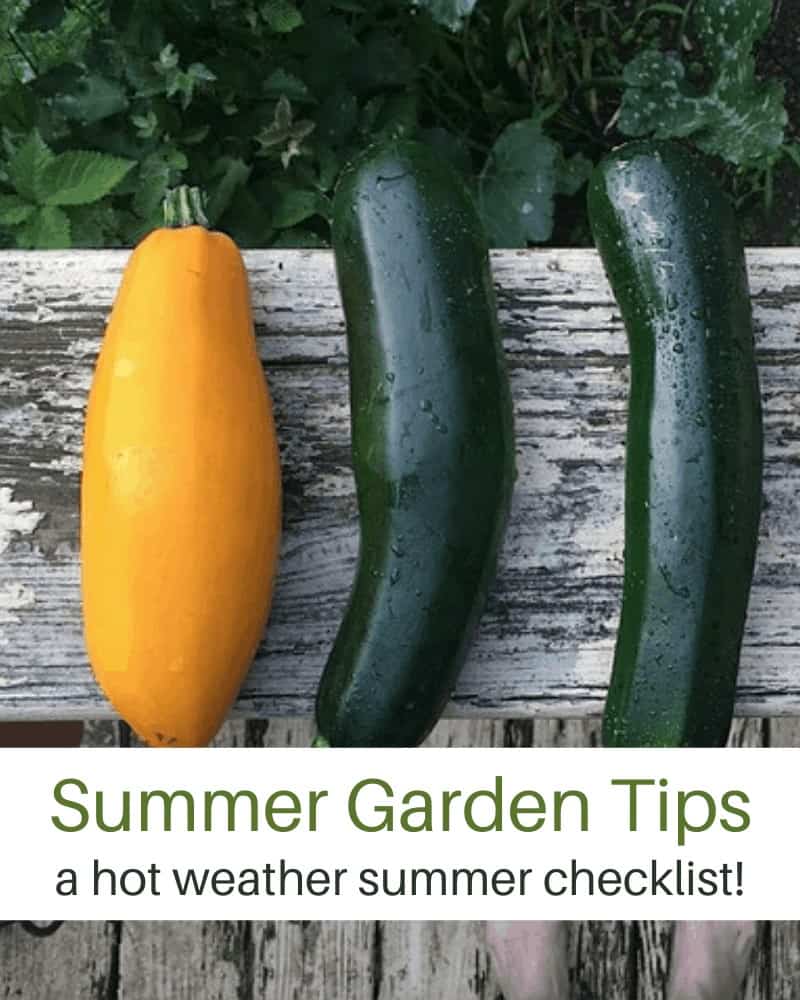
(79, 962)
(545, 642)
(181, 960)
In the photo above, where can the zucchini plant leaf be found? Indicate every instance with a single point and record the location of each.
(79, 178)
(518, 184)
(450, 13)
(573, 173)
(737, 117)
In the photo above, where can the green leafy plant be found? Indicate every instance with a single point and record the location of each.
(523, 173)
(734, 116)
(181, 82)
(262, 103)
(49, 188)
(596, 73)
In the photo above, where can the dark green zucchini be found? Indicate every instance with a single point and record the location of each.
(432, 440)
(669, 242)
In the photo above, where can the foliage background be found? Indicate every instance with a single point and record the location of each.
(105, 103)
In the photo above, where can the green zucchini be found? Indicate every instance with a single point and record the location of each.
(669, 242)
(432, 443)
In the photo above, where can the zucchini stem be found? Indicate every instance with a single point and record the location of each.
(183, 206)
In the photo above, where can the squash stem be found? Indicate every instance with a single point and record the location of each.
(183, 206)
(320, 741)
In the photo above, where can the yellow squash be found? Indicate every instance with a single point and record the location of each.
(181, 493)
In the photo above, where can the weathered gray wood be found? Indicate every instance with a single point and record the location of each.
(423, 959)
(545, 642)
(79, 962)
(182, 960)
(758, 982)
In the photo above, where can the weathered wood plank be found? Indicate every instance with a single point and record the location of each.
(423, 959)
(545, 643)
(182, 960)
(79, 962)
(758, 985)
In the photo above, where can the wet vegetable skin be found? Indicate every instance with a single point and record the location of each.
(672, 252)
(433, 449)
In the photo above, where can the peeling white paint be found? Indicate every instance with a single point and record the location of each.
(61, 401)
(44, 313)
(13, 597)
(83, 347)
(14, 382)
(16, 517)
(13, 682)
(69, 465)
